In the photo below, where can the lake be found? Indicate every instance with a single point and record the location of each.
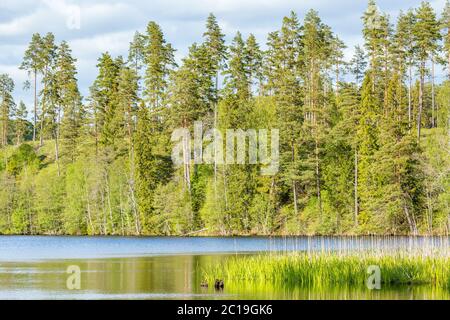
(170, 268)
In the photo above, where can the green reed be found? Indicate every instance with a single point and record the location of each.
(324, 269)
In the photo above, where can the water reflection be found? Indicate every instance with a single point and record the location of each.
(166, 277)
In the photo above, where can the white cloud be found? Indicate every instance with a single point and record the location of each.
(19, 25)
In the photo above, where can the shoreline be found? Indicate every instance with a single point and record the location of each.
(344, 236)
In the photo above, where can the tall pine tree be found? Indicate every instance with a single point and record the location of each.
(32, 62)
(426, 35)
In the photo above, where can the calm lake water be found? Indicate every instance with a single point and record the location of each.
(170, 268)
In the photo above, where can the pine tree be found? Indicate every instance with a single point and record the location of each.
(343, 149)
(136, 52)
(254, 61)
(153, 167)
(103, 97)
(358, 64)
(216, 51)
(190, 98)
(338, 63)
(373, 28)
(239, 182)
(32, 62)
(339, 164)
(318, 43)
(127, 103)
(367, 140)
(237, 75)
(283, 73)
(7, 106)
(127, 106)
(426, 36)
(387, 45)
(48, 55)
(377, 33)
(398, 198)
(404, 51)
(21, 122)
(159, 59)
(215, 54)
(70, 112)
(445, 24)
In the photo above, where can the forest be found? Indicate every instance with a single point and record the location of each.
(364, 142)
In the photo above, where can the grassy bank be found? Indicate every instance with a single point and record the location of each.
(333, 269)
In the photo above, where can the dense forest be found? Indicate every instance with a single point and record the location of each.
(364, 143)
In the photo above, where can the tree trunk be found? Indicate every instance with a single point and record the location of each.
(35, 106)
(89, 216)
(386, 79)
(186, 157)
(408, 218)
(448, 65)
(225, 187)
(121, 211)
(294, 191)
(104, 213)
(319, 197)
(215, 127)
(372, 67)
(131, 179)
(57, 154)
(430, 213)
(4, 123)
(410, 99)
(137, 220)
(294, 185)
(433, 98)
(96, 131)
(41, 131)
(421, 87)
(337, 79)
(356, 188)
(57, 142)
(110, 210)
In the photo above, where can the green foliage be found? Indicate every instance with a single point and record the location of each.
(24, 156)
(350, 162)
(49, 198)
(445, 26)
(103, 98)
(153, 164)
(69, 101)
(444, 106)
(173, 214)
(7, 106)
(75, 207)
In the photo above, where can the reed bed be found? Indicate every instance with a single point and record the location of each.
(337, 268)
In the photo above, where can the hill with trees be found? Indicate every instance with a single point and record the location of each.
(364, 144)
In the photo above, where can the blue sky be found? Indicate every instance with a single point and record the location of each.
(110, 25)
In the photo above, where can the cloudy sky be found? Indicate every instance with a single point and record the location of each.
(109, 25)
